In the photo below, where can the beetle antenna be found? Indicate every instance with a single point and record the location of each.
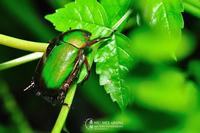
(30, 86)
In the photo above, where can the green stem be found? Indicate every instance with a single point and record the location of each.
(22, 44)
(64, 110)
(126, 15)
(21, 60)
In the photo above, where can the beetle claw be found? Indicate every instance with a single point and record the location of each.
(32, 85)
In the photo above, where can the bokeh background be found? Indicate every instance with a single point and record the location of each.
(164, 88)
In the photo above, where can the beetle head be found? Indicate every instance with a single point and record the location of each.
(87, 35)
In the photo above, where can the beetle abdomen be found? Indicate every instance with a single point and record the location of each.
(58, 65)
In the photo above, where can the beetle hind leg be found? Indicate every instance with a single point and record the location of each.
(55, 99)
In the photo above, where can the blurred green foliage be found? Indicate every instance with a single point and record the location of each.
(166, 89)
(155, 47)
(16, 116)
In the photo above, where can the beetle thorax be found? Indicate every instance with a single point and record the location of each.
(76, 38)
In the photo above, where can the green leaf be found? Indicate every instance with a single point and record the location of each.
(115, 9)
(113, 63)
(82, 14)
(164, 15)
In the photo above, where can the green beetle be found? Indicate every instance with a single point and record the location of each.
(61, 65)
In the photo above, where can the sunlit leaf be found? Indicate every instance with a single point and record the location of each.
(113, 62)
(115, 9)
(164, 15)
(81, 14)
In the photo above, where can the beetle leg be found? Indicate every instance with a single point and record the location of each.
(65, 104)
(87, 67)
(74, 72)
(90, 43)
(50, 99)
(80, 53)
(61, 97)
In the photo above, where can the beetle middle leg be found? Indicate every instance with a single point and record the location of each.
(67, 84)
(77, 65)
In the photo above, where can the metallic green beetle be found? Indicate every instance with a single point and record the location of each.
(61, 65)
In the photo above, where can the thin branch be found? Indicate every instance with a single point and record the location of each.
(126, 15)
(21, 60)
(22, 44)
(64, 110)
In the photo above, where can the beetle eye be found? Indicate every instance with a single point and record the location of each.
(88, 35)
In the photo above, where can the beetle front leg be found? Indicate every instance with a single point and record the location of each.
(96, 40)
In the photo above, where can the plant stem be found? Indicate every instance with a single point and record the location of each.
(22, 44)
(126, 15)
(21, 60)
(64, 110)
